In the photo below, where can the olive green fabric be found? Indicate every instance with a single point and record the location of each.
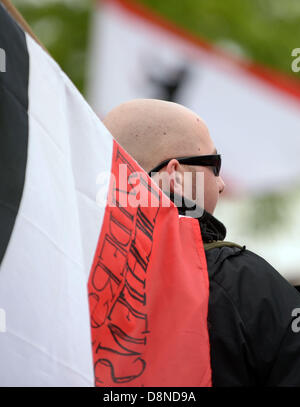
(213, 245)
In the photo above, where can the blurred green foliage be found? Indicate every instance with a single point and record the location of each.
(63, 27)
(267, 212)
(264, 31)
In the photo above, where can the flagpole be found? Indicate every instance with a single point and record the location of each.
(20, 19)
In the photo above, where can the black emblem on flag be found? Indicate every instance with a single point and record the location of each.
(169, 85)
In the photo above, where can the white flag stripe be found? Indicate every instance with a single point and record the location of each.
(254, 124)
(44, 274)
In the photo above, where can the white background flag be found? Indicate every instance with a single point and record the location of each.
(253, 115)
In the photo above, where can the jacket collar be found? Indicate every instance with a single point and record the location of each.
(211, 228)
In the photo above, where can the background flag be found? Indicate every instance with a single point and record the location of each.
(253, 113)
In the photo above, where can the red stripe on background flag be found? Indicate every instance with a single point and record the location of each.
(281, 81)
(148, 291)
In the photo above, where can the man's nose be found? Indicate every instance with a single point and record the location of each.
(221, 184)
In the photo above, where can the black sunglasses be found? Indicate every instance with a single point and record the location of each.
(213, 160)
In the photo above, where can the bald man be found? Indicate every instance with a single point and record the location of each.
(152, 131)
(252, 315)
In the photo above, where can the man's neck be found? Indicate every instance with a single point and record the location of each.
(211, 228)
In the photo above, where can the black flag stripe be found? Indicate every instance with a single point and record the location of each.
(13, 124)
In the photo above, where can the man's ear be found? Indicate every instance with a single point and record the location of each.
(175, 175)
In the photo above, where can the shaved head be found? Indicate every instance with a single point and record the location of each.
(154, 130)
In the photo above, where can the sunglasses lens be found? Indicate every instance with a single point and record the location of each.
(217, 167)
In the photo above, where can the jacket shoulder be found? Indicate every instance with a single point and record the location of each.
(244, 274)
(250, 310)
(231, 262)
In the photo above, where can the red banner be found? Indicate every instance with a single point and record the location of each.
(148, 289)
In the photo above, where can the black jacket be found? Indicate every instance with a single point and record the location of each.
(252, 331)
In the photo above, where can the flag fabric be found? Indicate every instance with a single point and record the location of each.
(94, 292)
(149, 305)
(49, 218)
(251, 111)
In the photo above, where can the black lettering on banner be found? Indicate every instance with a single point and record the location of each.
(124, 379)
(144, 224)
(121, 295)
(120, 233)
(135, 313)
(124, 160)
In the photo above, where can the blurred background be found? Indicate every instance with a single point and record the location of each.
(229, 61)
